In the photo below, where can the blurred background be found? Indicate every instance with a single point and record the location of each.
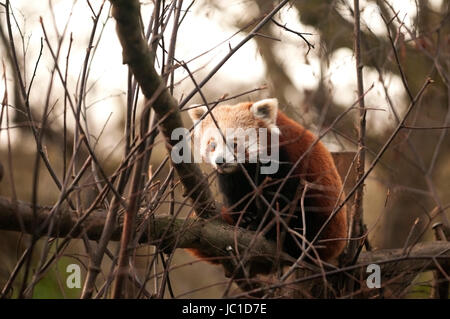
(314, 80)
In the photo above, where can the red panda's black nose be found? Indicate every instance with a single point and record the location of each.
(219, 161)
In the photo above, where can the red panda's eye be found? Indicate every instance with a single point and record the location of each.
(212, 146)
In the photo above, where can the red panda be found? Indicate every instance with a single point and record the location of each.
(316, 169)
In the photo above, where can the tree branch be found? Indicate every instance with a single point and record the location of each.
(357, 227)
(209, 236)
(213, 237)
(138, 56)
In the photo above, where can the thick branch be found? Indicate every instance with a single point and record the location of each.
(213, 237)
(139, 57)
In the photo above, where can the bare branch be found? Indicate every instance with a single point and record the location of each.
(138, 56)
(356, 227)
(214, 237)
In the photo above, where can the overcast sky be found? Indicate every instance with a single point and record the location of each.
(202, 30)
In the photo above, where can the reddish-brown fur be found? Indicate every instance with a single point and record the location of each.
(316, 167)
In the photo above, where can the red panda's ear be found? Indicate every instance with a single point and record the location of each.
(196, 112)
(265, 110)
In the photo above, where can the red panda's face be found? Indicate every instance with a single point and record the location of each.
(233, 134)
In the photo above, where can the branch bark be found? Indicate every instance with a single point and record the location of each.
(357, 227)
(213, 237)
(138, 56)
(209, 236)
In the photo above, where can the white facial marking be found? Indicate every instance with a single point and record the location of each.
(225, 149)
